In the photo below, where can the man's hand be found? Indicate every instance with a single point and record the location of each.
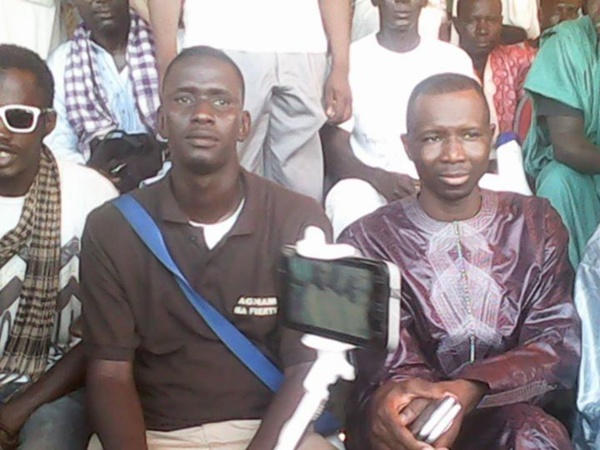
(394, 186)
(394, 406)
(338, 96)
(468, 394)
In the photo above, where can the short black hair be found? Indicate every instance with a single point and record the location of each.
(205, 50)
(15, 57)
(444, 83)
(461, 5)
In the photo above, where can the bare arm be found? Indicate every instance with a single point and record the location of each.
(114, 405)
(164, 20)
(340, 163)
(546, 357)
(570, 145)
(64, 377)
(337, 20)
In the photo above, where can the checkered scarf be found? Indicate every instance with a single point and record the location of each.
(38, 236)
(85, 98)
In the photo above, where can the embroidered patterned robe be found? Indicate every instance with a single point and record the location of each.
(523, 321)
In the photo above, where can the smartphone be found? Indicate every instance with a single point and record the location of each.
(343, 299)
(435, 420)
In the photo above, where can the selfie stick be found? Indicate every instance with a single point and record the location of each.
(331, 363)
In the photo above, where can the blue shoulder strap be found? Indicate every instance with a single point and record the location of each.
(147, 230)
(240, 345)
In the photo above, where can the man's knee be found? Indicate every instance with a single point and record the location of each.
(349, 200)
(60, 425)
(528, 426)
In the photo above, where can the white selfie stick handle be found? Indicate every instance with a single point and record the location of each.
(331, 363)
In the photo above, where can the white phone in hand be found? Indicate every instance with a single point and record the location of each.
(435, 420)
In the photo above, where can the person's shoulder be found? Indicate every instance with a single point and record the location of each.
(578, 26)
(279, 198)
(570, 32)
(364, 44)
(84, 184)
(537, 211)
(282, 209)
(448, 57)
(519, 51)
(444, 47)
(57, 60)
(383, 221)
(518, 202)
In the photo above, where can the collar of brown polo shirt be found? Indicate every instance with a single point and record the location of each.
(168, 208)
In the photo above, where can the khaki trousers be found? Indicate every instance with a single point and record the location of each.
(284, 95)
(230, 435)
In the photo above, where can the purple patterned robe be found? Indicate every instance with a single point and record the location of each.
(521, 315)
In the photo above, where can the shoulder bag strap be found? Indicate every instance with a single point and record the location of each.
(240, 345)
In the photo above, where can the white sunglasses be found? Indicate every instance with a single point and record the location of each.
(21, 118)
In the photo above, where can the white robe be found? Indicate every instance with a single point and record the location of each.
(34, 24)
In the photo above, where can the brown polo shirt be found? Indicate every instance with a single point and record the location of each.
(134, 310)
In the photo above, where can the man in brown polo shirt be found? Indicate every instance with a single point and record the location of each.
(157, 377)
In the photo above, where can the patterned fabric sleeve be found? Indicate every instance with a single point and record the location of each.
(408, 360)
(588, 307)
(547, 356)
(373, 366)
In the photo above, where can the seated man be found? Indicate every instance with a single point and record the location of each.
(553, 12)
(501, 68)
(106, 79)
(43, 208)
(151, 357)
(366, 152)
(562, 150)
(520, 21)
(487, 312)
(433, 22)
(586, 435)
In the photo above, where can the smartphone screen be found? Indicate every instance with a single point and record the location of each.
(331, 298)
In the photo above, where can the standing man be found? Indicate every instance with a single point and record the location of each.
(519, 20)
(43, 208)
(157, 376)
(281, 48)
(365, 156)
(487, 309)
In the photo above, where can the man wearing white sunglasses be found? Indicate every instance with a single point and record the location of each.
(43, 208)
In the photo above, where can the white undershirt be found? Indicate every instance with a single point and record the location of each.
(214, 232)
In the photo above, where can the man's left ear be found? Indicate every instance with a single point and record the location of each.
(162, 123)
(245, 124)
(459, 25)
(492, 132)
(49, 122)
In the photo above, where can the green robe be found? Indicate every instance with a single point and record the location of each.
(567, 69)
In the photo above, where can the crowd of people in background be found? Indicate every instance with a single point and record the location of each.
(458, 139)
